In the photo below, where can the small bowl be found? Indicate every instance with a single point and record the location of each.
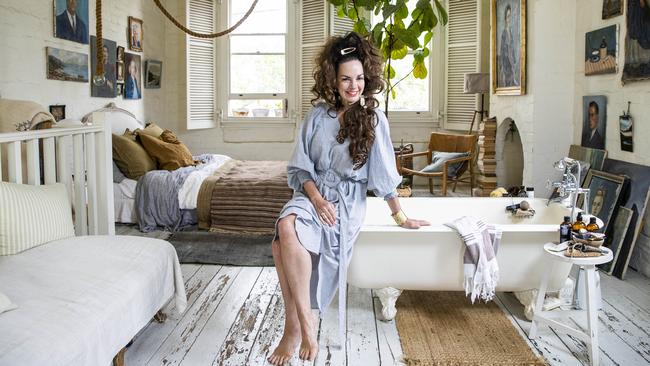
(260, 112)
(592, 239)
(240, 112)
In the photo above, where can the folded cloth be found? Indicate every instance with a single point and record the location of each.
(479, 261)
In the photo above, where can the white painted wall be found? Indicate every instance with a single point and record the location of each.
(26, 28)
(610, 85)
(544, 115)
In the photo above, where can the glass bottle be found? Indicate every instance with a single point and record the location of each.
(565, 229)
(578, 224)
(593, 226)
(603, 49)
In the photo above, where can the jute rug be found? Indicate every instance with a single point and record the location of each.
(444, 328)
(207, 247)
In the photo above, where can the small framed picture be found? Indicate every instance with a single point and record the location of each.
(120, 54)
(120, 89)
(58, 111)
(604, 191)
(119, 71)
(152, 74)
(136, 34)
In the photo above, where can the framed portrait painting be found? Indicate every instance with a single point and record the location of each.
(594, 112)
(58, 112)
(136, 34)
(637, 42)
(508, 47)
(133, 77)
(71, 20)
(604, 193)
(152, 74)
(107, 90)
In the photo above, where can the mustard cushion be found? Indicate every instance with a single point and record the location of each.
(168, 152)
(131, 157)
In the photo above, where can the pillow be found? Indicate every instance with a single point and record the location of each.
(438, 160)
(130, 157)
(152, 130)
(33, 215)
(120, 121)
(168, 152)
(118, 176)
(6, 304)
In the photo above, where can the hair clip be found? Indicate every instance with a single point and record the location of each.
(347, 50)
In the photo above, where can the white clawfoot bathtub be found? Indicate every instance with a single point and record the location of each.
(391, 259)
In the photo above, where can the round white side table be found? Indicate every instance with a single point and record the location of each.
(589, 266)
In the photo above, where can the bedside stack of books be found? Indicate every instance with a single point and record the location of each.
(487, 164)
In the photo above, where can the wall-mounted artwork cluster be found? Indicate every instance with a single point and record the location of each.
(122, 70)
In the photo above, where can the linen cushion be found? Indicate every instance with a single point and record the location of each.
(5, 303)
(168, 152)
(438, 160)
(33, 215)
(152, 130)
(131, 158)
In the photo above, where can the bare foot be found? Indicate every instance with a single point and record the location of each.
(308, 346)
(284, 351)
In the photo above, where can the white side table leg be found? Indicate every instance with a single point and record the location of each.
(592, 314)
(539, 303)
(388, 296)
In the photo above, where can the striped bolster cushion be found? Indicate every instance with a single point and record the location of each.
(33, 215)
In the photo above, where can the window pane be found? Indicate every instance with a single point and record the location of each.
(257, 44)
(257, 74)
(411, 94)
(256, 108)
(269, 16)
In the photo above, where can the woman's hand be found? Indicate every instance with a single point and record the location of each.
(325, 211)
(415, 224)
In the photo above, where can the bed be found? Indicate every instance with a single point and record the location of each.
(218, 193)
(77, 293)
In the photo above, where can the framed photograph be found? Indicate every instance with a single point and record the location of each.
(136, 34)
(604, 193)
(58, 112)
(601, 50)
(108, 48)
(508, 47)
(152, 74)
(66, 65)
(119, 68)
(594, 112)
(71, 20)
(637, 47)
(120, 89)
(120, 54)
(617, 235)
(133, 77)
(612, 8)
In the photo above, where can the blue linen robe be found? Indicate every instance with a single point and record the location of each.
(320, 158)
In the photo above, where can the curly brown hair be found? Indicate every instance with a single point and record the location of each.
(359, 119)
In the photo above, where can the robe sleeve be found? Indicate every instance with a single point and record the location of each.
(301, 167)
(383, 178)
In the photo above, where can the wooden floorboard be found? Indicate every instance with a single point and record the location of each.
(362, 343)
(390, 349)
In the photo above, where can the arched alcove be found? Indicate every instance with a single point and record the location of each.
(509, 154)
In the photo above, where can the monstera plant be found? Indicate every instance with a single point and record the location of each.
(391, 33)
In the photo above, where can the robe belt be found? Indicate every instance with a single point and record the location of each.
(333, 180)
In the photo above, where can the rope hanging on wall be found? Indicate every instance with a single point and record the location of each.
(204, 35)
(99, 78)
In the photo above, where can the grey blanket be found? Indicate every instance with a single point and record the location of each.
(156, 198)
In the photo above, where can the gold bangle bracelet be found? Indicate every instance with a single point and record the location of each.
(399, 217)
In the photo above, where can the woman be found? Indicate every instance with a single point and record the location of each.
(343, 150)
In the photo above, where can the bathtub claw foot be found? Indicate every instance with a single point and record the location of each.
(388, 296)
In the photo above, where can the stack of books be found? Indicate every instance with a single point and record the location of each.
(487, 164)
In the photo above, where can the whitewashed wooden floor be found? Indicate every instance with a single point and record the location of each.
(235, 317)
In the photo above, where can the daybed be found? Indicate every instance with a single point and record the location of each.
(66, 299)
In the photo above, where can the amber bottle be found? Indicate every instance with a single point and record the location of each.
(578, 224)
(593, 226)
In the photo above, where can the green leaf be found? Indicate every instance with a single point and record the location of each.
(420, 70)
(389, 72)
(402, 12)
(442, 12)
(388, 11)
(360, 28)
(424, 52)
(392, 93)
(429, 19)
(427, 38)
(399, 53)
(378, 33)
(339, 12)
(422, 4)
(352, 13)
(407, 37)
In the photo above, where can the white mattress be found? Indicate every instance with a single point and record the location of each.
(80, 300)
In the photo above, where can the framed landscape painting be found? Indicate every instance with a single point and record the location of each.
(508, 47)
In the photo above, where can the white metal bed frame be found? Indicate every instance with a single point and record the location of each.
(91, 197)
